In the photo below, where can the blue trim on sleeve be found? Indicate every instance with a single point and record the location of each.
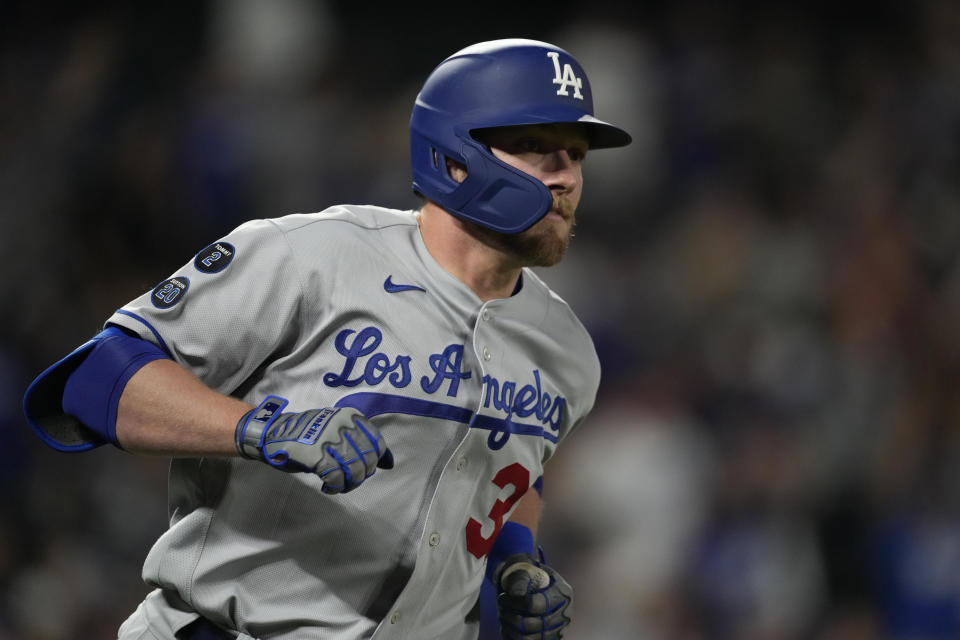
(156, 334)
(538, 485)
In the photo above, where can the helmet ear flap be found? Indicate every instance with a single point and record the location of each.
(499, 196)
(493, 194)
(432, 177)
(441, 162)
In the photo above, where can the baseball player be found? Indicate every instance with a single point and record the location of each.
(359, 402)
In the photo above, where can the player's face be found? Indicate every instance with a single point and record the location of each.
(553, 154)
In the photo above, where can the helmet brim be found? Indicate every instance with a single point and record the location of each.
(600, 134)
(603, 135)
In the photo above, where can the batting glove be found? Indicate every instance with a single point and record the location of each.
(535, 602)
(341, 445)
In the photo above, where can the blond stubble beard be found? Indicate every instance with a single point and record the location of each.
(542, 245)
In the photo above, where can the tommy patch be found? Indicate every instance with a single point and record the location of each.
(169, 292)
(215, 258)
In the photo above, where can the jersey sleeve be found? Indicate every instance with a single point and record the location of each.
(587, 384)
(223, 313)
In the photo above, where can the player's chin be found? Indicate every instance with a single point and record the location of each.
(546, 242)
(549, 258)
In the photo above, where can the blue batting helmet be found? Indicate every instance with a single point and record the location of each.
(496, 84)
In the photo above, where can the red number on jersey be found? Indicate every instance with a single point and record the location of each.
(514, 475)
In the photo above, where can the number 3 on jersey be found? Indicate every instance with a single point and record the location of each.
(514, 475)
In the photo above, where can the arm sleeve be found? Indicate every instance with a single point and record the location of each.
(72, 406)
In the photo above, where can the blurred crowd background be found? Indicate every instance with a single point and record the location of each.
(770, 273)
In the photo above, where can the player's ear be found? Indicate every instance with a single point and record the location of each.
(456, 170)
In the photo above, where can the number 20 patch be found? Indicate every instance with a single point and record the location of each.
(169, 292)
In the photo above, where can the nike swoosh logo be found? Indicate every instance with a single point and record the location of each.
(390, 287)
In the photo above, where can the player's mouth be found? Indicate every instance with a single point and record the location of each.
(561, 209)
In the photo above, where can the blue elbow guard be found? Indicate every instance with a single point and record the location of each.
(72, 405)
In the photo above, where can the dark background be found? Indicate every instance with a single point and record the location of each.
(770, 274)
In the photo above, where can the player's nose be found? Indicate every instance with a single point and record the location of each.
(560, 170)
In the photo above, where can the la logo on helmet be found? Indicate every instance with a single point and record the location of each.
(566, 77)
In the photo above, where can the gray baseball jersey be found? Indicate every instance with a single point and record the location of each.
(348, 308)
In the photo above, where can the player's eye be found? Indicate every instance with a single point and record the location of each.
(529, 145)
(577, 154)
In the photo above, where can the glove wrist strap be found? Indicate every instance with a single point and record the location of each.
(253, 424)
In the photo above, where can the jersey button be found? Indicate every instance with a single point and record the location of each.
(461, 463)
(486, 354)
(485, 315)
(434, 539)
(395, 617)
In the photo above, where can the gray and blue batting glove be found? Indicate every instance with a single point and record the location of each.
(534, 601)
(340, 445)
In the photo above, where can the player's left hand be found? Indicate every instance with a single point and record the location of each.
(340, 445)
(534, 600)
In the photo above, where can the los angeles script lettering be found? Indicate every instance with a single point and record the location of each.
(364, 364)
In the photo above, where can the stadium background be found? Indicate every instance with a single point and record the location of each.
(770, 273)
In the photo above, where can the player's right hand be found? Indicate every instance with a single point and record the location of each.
(340, 445)
(534, 600)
